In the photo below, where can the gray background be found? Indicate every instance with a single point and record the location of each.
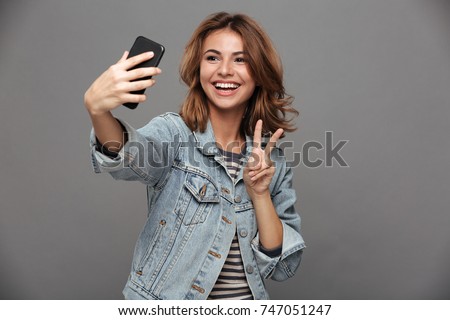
(376, 73)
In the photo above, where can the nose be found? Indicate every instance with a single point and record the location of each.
(226, 68)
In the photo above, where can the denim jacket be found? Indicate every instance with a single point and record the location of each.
(194, 211)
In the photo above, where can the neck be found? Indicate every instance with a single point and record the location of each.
(226, 126)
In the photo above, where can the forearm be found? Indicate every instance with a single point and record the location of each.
(108, 131)
(269, 224)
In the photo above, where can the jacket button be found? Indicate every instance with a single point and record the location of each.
(215, 254)
(243, 233)
(226, 220)
(203, 191)
(237, 199)
(249, 269)
(199, 289)
(225, 190)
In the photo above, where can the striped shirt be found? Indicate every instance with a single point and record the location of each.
(232, 282)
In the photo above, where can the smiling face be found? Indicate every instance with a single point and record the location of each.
(224, 72)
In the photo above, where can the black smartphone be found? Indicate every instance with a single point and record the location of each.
(141, 45)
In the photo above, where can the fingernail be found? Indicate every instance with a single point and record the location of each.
(151, 53)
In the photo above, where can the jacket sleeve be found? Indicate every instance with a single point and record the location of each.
(146, 157)
(283, 197)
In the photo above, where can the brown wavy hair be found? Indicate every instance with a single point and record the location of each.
(269, 101)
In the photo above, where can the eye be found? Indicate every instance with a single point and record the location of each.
(212, 58)
(240, 60)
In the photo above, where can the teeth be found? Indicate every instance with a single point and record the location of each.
(226, 85)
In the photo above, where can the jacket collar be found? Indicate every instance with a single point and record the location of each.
(206, 141)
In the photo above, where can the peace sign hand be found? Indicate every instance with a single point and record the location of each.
(260, 169)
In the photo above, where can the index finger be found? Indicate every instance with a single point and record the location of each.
(135, 60)
(257, 133)
(124, 57)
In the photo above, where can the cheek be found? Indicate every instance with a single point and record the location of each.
(204, 83)
(204, 76)
(204, 88)
(249, 77)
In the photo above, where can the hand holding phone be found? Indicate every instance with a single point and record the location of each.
(119, 84)
(142, 45)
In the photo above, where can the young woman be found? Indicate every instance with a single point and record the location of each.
(221, 215)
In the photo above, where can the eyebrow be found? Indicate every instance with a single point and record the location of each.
(219, 53)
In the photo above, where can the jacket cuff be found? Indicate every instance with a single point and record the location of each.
(273, 253)
(101, 148)
(104, 160)
(292, 242)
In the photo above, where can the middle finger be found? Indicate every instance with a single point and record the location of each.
(142, 73)
(139, 85)
(257, 134)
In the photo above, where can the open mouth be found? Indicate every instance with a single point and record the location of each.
(226, 86)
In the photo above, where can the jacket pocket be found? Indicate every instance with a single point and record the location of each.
(196, 199)
(152, 244)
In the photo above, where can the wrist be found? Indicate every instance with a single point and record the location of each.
(255, 196)
(92, 108)
(95, 112)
